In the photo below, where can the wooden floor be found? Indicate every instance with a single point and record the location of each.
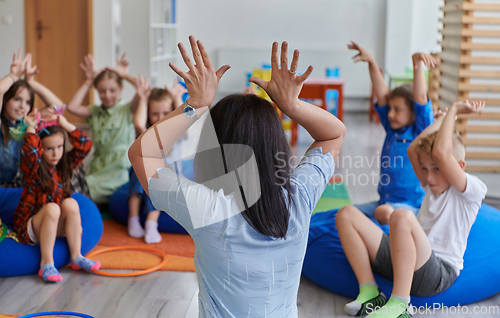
(174, 294)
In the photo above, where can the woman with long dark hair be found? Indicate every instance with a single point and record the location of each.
(248, 211)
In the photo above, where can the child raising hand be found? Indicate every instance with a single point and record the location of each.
(46, 209)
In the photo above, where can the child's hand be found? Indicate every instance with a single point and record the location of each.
(285, 85)
(32, 118)
(440, 113)
(47, 113)
(201, 79)
(30, 72)
(249, 90)
(18, 65)
(89, 68)
(464, 107)
(176, 91)
(61, 120)
(428, 60)
(121, 65)
(362, 55)
(142, 87)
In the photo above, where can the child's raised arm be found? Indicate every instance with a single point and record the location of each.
(141, 115)
(284, 88)
(419, 84)
(412, 149)
(442, 151)
(176, 91)
(378, 82)
(121, 69)
(79, 140)
(47, 96)
(75, 105)
(16, 72)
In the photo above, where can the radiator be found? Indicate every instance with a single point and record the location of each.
(242, 61)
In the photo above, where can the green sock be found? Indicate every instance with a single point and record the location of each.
(367, 292)
(394, 308)
(369, 297)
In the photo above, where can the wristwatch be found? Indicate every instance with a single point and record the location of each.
(189, 111)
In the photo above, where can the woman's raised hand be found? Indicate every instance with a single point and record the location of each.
(30, 72)
(285, 85)
(201, 79)
(17, 67)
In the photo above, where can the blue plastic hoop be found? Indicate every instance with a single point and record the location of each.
(51, 313)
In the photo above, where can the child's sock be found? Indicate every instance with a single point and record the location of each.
(396, 307)
(84, 263)
(134, 227)
(49, 273)
(152, 234)
(368, 299)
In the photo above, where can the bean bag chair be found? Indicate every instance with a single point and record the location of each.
(325, 262)
(24, 259)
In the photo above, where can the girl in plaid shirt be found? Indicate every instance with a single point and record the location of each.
(46, 209)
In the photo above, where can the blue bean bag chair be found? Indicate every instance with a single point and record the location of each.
(24, 259)
(325, 262)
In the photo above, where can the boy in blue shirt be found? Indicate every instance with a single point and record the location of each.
(404, 112)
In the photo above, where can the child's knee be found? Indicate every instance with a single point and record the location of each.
(69, 203)
(52, 210)
(401, 218)
(345, 214)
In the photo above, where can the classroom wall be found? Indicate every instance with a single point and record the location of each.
(412, 26)
(314, 24)
(11, 35)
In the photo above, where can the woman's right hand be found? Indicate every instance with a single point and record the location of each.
(17, 67)
(285, 85)
(201, 79)
(362, 55)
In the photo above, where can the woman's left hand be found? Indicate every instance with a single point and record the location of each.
(201, 79)
(285, 85)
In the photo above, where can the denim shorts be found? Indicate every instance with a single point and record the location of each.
(368, 209)
(434, 277)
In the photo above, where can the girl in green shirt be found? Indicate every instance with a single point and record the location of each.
(111, 126)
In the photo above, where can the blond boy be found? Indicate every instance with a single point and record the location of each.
(424, 253)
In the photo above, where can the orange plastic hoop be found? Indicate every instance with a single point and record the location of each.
(137, 273)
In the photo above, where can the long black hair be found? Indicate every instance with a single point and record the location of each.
(9, 94)
(253, 121)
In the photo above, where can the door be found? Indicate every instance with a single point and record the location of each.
(59, 35)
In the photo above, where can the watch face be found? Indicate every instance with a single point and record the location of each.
(189, 111)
